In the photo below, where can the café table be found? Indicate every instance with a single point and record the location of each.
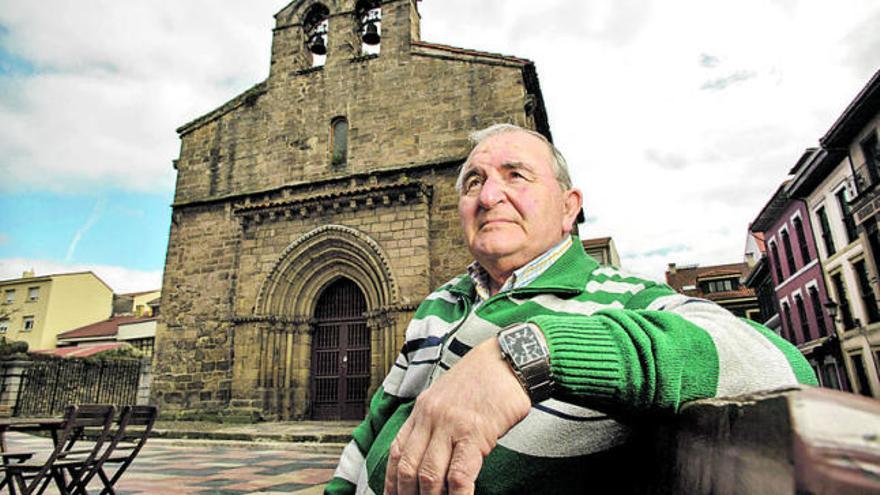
(29, 425)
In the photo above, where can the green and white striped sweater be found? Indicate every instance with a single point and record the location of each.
(617, 343)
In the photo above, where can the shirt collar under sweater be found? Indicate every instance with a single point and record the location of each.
(520, 277)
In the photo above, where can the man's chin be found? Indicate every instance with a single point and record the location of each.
(495, 247)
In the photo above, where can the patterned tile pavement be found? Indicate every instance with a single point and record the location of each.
(168, 468)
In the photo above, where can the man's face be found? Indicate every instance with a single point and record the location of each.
(511, 206)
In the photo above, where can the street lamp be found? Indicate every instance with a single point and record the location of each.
(831, 307)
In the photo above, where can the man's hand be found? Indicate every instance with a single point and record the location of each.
(455, 424)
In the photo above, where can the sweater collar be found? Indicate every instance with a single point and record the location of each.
(522, 276)
(567, 274)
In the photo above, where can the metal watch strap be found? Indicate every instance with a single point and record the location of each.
(534, 376)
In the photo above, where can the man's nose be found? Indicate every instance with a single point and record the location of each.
(492, 192)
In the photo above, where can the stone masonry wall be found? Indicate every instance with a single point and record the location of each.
(191, 341)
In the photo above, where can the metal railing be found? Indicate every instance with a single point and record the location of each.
(51, 383)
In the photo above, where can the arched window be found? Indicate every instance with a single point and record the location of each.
(339, 140)
(369, 18)
(315, 23)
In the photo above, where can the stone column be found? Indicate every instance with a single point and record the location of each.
(381, 354)
(12, 378)
(302, 358)
(144, 381)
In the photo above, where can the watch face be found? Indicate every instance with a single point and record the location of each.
(523, 346)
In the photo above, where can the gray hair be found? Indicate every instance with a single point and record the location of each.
(560, 166)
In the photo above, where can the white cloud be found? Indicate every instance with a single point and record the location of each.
(662, 162)
(112, 82)
(120, 279)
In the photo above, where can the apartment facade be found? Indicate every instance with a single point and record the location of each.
(35, 309)
(798, 282)
(839, 180)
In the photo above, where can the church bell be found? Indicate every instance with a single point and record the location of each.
(371, 34)
(316, 44)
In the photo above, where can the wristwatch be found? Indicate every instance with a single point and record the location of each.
(525, 349)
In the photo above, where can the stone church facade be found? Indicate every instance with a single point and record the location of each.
(314, 211)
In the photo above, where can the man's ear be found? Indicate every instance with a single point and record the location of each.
(572, 201)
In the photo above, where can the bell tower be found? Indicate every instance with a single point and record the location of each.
(317, 33)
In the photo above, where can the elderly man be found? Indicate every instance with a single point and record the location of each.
(520, 376)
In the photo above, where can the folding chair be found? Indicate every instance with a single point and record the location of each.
(32, 477)
(82, 465)
(6, 458)
(123, 453)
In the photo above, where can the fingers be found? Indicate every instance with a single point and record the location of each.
(463, 469)
(454, 423)
(443, 468)
(435, 463)
(404, 458)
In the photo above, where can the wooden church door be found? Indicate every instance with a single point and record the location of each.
(340, 368)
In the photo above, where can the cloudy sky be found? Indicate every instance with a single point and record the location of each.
(679, 118)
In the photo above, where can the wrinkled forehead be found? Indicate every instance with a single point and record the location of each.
(511, 147)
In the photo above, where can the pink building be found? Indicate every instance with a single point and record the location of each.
(799, 282)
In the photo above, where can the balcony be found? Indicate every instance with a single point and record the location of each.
(867, 200)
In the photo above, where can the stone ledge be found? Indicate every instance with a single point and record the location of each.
(354, 199)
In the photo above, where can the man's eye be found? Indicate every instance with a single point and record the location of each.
(472, 183)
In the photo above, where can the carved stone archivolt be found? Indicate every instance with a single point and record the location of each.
(316, 259)
(284, 311)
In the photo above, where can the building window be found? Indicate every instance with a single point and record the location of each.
(10, 296)
(789, 254)
(27, 323)
(723, 285)
(777, 265)
(802, 315)
(874, 243)
(872, 153)
(801, 240)
(787, 327)
(817, 311)
(826, 231)
(339, 138)
(766, 296)
(831, 379)
(877, 359)
(866, 291)
(858, 366)
(144, 345)
(848, 222)
(4, 326)
(842, 301)
(33, 294)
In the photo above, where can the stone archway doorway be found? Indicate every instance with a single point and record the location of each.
(340, 365)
